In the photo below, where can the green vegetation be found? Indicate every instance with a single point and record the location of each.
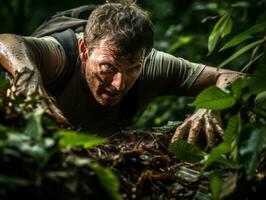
(36, 152)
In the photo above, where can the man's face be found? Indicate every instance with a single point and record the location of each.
(109, 77)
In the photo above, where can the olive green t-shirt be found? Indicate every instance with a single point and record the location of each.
(162, 74)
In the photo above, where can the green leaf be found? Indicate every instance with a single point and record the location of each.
(13, 182)
(216, 156)
(261, 18)
(170, 126)
(212, 41)
(222, 28)
(260, 101)
(68, 139)
(186, 152)
(241, 4)
(27, 145)
(251, 149)
(240, 52)
(4, 84)
(34, 127)
(183, 40)
(244, 35)
(216, 183)
(213, 98)
(236, 40)
(238, 86)
(257, 82)
(227, 26)
(231, 130)
(108, 180)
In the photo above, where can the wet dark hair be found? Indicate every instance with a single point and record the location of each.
(125, 25)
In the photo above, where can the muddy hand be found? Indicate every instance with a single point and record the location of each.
(203, 123)
(28, 84)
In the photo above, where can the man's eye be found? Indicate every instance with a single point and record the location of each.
(134, 69)
(109, 68)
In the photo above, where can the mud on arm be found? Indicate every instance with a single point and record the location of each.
(23, 63)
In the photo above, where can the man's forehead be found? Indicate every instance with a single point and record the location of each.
(107, 50)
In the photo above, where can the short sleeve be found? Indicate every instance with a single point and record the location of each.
(164, 74)
(50, 57)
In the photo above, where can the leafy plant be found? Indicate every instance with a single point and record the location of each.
(238, 157)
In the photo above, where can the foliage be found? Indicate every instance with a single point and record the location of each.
(187, 152)
(70, 139)
(236, 40)
(108, 180)
(244, 143)
(29, 138)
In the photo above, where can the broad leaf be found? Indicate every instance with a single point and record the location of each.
(216, 183)
(186, 152)
(68, 139)
(108, 180)
(216, 156)
(240, 52)
(231, 130)
(213, 98)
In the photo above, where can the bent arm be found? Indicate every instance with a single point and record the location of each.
(15, 54)
(41, 55)
(24, 58)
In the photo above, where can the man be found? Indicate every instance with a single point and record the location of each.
(114, 72)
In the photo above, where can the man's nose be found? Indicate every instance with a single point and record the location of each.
(118, 81)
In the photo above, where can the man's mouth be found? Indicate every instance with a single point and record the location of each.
(111, 93)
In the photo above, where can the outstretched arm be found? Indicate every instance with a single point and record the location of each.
(206, 123)
(23, 62)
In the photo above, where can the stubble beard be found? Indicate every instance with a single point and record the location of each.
(96, 87)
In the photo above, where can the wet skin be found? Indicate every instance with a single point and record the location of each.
(108, 76)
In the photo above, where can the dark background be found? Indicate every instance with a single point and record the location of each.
(182, 28)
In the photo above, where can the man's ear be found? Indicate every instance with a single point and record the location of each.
(83, 50)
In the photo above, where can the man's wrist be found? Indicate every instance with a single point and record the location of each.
(226, 79)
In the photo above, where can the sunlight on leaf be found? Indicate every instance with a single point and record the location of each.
(244, 35)
(183, 40)
(240, 52)
(222, 28)
(68, 139)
